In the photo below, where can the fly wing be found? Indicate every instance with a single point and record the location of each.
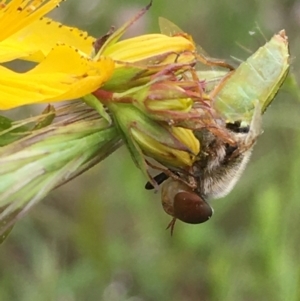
(170, 29)
(212, 75)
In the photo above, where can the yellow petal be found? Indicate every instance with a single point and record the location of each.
(17, 14)
(35, 41)
(146, 46)
(63, 75)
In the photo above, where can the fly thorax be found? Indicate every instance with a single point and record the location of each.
(221, 164)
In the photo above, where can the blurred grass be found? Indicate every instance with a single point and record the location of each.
(102, 236)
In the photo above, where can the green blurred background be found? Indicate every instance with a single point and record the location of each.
(102, 236)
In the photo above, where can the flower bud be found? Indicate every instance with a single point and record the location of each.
(174, 147)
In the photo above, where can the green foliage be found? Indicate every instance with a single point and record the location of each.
(8, 135)
(102, 236)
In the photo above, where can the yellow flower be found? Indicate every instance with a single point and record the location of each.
(33, 38)
(26, 34)
(70, 67)
(66, 70)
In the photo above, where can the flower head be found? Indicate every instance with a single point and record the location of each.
(128, 63)
(66, 70)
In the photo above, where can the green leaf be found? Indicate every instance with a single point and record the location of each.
(8, 132)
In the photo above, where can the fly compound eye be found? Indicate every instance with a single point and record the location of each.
(181, 202)
(190, 208)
